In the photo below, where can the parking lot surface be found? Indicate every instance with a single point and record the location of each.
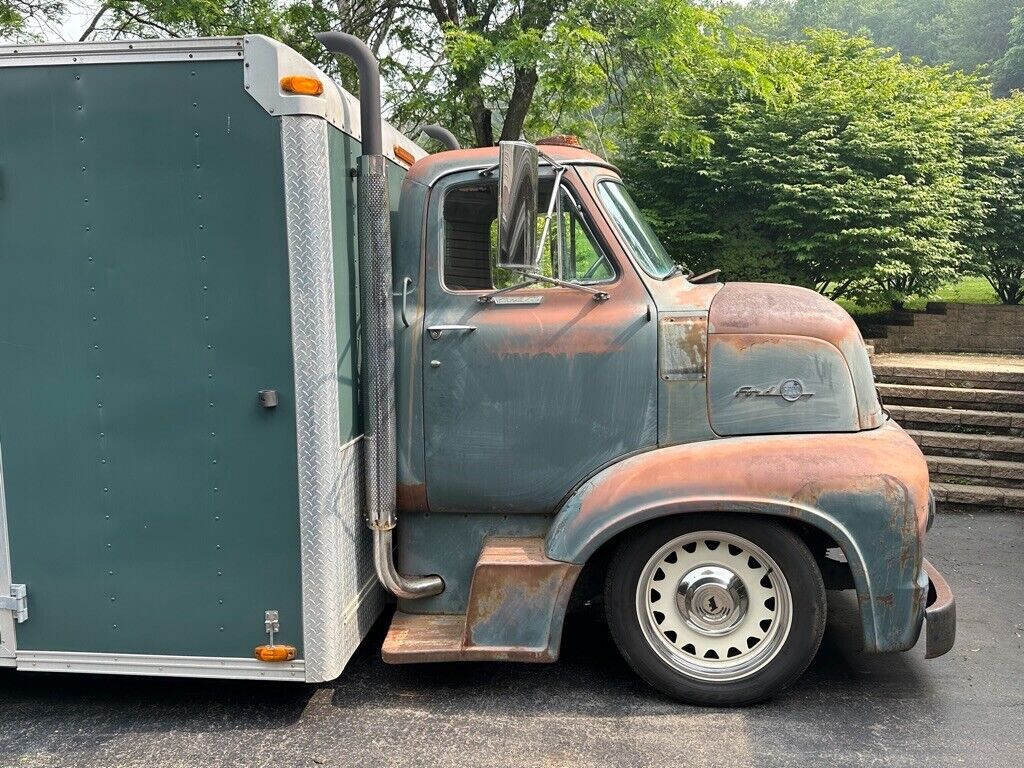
(849, 709)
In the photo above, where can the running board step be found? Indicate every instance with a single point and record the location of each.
(516, 607)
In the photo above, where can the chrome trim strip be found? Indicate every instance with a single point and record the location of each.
(8, 644)
(167, 666)
(121, 51)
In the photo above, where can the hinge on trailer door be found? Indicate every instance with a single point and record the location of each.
(17, 602)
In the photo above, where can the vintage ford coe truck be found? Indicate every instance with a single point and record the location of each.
(265, 362)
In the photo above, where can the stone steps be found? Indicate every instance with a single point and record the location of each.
(959, 470)
(952, 397)
(959, 378)
(966, 497)
(986, 447)
(958, 420)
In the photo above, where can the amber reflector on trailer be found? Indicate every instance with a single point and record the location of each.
(305, 86)
(274, 652)
(404, 155)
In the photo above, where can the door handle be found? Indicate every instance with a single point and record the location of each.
(406, 282)
(436, 330)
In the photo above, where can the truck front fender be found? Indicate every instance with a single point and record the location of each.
(867, 490)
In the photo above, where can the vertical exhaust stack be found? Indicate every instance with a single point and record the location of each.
(443, 135)
(378, 325)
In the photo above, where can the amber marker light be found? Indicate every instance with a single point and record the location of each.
(274, 652)
(404, 155)
(304, 86)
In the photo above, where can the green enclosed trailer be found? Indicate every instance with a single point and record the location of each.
(178, 420)
(245, 324)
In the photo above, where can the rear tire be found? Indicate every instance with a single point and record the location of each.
(716, 610)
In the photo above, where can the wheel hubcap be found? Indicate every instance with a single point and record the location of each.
(712, 599)
(714, 606)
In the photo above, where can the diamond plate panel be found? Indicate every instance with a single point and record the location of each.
(340, 596)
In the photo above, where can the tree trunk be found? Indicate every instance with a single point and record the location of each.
(519, 103)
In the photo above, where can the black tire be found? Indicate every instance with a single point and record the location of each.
(794, 560)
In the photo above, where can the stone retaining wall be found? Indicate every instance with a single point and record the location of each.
(960, 328)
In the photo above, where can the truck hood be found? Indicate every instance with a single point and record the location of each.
(765, 309)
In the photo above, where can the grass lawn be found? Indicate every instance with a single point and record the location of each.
(970, 290)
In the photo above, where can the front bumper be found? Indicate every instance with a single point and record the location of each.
(939, 615)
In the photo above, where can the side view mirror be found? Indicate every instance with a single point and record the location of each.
(517, 205)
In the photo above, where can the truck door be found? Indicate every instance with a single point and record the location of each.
(528, 393)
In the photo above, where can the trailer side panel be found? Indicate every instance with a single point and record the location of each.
(144, 301)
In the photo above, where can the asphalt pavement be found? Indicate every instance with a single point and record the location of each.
(849, 709)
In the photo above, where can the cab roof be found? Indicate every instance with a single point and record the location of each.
(430, 169)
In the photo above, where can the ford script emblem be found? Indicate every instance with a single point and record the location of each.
(789, 390)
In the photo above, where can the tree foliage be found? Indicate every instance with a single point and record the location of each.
(852, 183)
(812, 157)
(968, 35)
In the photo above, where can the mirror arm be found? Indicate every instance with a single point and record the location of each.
(539, 278)
(488, 297)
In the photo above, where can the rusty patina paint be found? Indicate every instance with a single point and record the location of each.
(536, 396)
(745, 371)
(784, 310)
(516, 610)
(868, 491)
(432, 168)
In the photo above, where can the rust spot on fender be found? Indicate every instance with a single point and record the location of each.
(765, 308)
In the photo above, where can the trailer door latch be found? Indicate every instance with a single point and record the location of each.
(17, 602)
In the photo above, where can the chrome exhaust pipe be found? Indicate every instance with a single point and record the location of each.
(378, 326)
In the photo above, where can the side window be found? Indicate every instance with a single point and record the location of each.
(583, 261)
(471, 240)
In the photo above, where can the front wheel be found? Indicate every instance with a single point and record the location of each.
(718, 610)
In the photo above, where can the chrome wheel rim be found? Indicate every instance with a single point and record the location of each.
(714, 606)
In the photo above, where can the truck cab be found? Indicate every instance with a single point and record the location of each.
(710, 453)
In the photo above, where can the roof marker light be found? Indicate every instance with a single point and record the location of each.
(304, 86)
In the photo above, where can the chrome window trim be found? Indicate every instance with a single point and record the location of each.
(470, 181)
(608, 179)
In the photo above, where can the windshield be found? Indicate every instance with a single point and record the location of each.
(636, 233)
